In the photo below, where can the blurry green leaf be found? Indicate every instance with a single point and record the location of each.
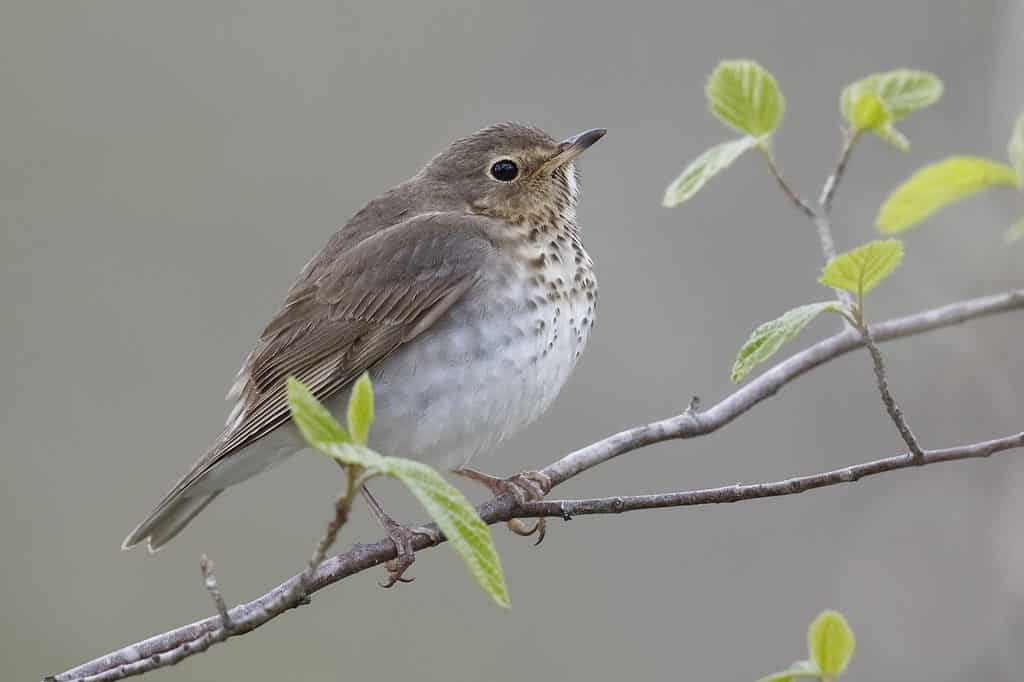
(1015, 231)
(1015, 150)
(745, 96)
(355, 454)
(458, 520)
(799, 670)
(314, 421)
(768, 337)
(903, 91)
(937, 185)
(360, 409)
(869, 112)
(830, 643)
(862, 269)
(703, 168)
(887, 132)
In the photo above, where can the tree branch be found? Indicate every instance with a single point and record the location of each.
(175, 645)
(567, 509)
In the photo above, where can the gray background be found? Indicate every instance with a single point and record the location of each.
(167, 168)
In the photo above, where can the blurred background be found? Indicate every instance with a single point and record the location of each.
(168, 168)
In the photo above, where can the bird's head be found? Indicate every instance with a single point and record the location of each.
(513, 172)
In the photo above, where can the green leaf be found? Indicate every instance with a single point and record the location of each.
(862, 269)
(703, 168)
(458, 520)
(1015, 232)
(768, 337)
(355, 454)
(901, 92)
(745, 96)
(869, 112)
(360, 409)
(314, 421)
(1015, 150)
(938, 185)
(830, 642)
(799, 670)
(887, 132)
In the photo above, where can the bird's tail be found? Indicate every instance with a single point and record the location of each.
(168, 519)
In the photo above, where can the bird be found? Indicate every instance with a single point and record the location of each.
(466, 294)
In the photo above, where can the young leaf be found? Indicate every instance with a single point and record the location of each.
(862, 269)
(458, 520)
(888, 132)
(799, 670)
(938, 185)
(830, 642)
(360, 409)
(314, 421)
(1015, 150)
(768, 337)
(703, 168)
(869, 112)
(1015, 232)
(745, 96)
(903, 91)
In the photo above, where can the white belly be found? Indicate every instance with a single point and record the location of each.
(479, 376)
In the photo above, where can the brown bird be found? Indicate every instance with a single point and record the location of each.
(465, 292)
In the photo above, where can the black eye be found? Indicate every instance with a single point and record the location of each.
(504, 170)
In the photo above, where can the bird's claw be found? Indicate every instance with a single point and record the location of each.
(528, 486)
(405, 554)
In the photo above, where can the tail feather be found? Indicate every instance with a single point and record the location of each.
(167, 520)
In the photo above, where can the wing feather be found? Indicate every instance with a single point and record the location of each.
(340, 321)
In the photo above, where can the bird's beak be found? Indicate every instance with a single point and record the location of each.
(573, 147)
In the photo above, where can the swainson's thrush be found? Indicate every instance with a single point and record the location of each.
(464, 291)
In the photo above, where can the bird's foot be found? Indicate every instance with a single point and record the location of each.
(528, 486)
(402, 537)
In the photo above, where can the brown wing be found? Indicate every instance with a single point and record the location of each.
(340, 321)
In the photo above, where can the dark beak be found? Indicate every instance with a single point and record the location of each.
(574, 146)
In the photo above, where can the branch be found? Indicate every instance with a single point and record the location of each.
(174, 645)
(567, 509)
(895, 413)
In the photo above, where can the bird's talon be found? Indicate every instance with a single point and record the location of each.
(402, 538)
(528, 486)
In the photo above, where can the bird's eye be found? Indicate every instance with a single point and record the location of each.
(504, 170)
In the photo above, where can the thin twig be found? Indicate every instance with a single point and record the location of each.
(174, 645)
(917, 455)
(210, 580)
(828, 191)
(299, 594)
(786, 188)
(820, 220)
